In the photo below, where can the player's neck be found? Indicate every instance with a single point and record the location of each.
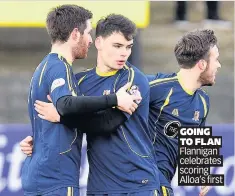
(101, 67)
(64, 50)
(188, 80)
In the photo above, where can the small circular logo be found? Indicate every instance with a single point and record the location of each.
(171, 129)
(134, 90)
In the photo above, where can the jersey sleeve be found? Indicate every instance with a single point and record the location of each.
(157, 93)
(59, 81)
(152, 77)
(158, 90)
(79, 76)
(139, 84)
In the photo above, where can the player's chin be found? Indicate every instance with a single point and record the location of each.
(119, 66)
(213, 80)
(81, 56)
(210, 82)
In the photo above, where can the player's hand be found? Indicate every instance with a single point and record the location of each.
(49, 98)
(204, 190)
(47, 111)
(126, 102)
(26, 145)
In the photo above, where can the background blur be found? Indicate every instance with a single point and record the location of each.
(22, 49)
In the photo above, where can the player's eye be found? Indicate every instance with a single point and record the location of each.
(117, 46)
(129, 47)
(90, 32)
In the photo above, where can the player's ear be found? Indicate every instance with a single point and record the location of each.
(98, 43)
(75, 34)
(202, 64)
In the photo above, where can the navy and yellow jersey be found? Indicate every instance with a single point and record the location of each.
(123, 161)
(171, 106)
(55, 161)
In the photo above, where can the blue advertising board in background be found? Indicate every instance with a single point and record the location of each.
(11, 160)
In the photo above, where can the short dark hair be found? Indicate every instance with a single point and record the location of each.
(63, 19)
(116, 23)
(194, 46)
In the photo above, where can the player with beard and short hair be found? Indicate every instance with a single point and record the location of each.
(177, 99)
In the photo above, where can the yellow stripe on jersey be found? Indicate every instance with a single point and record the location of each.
(76, 134)
(74, 93)
(70, 80)
(203, 90)
(40, 79)
(115, 83)
(67, 73)
(204, 105)
(164, 191)
(160, 81)
(124, 135)
(155, 193)
(69, 191)
(60, 57)
(81, 79)
(131, 77)
(166, 102)
(190, 92)
(126, 67)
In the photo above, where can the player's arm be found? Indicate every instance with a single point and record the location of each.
(75, 106)
(69, 105)
(64, 96)
(61, 94)
(26, 145)
(99, 122)
(106, 121)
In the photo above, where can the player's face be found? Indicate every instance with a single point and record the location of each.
(82, 45)
(115, 50)
(209, 75)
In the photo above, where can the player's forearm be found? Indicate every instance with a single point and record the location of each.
(106, 121)
(73, 106)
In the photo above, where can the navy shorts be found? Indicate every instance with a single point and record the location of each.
(166, 191)
(66, 191)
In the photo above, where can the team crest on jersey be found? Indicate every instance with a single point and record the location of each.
(196, 116)
(134, 90)
(171, 129)
(106, 92)
(175, 112)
